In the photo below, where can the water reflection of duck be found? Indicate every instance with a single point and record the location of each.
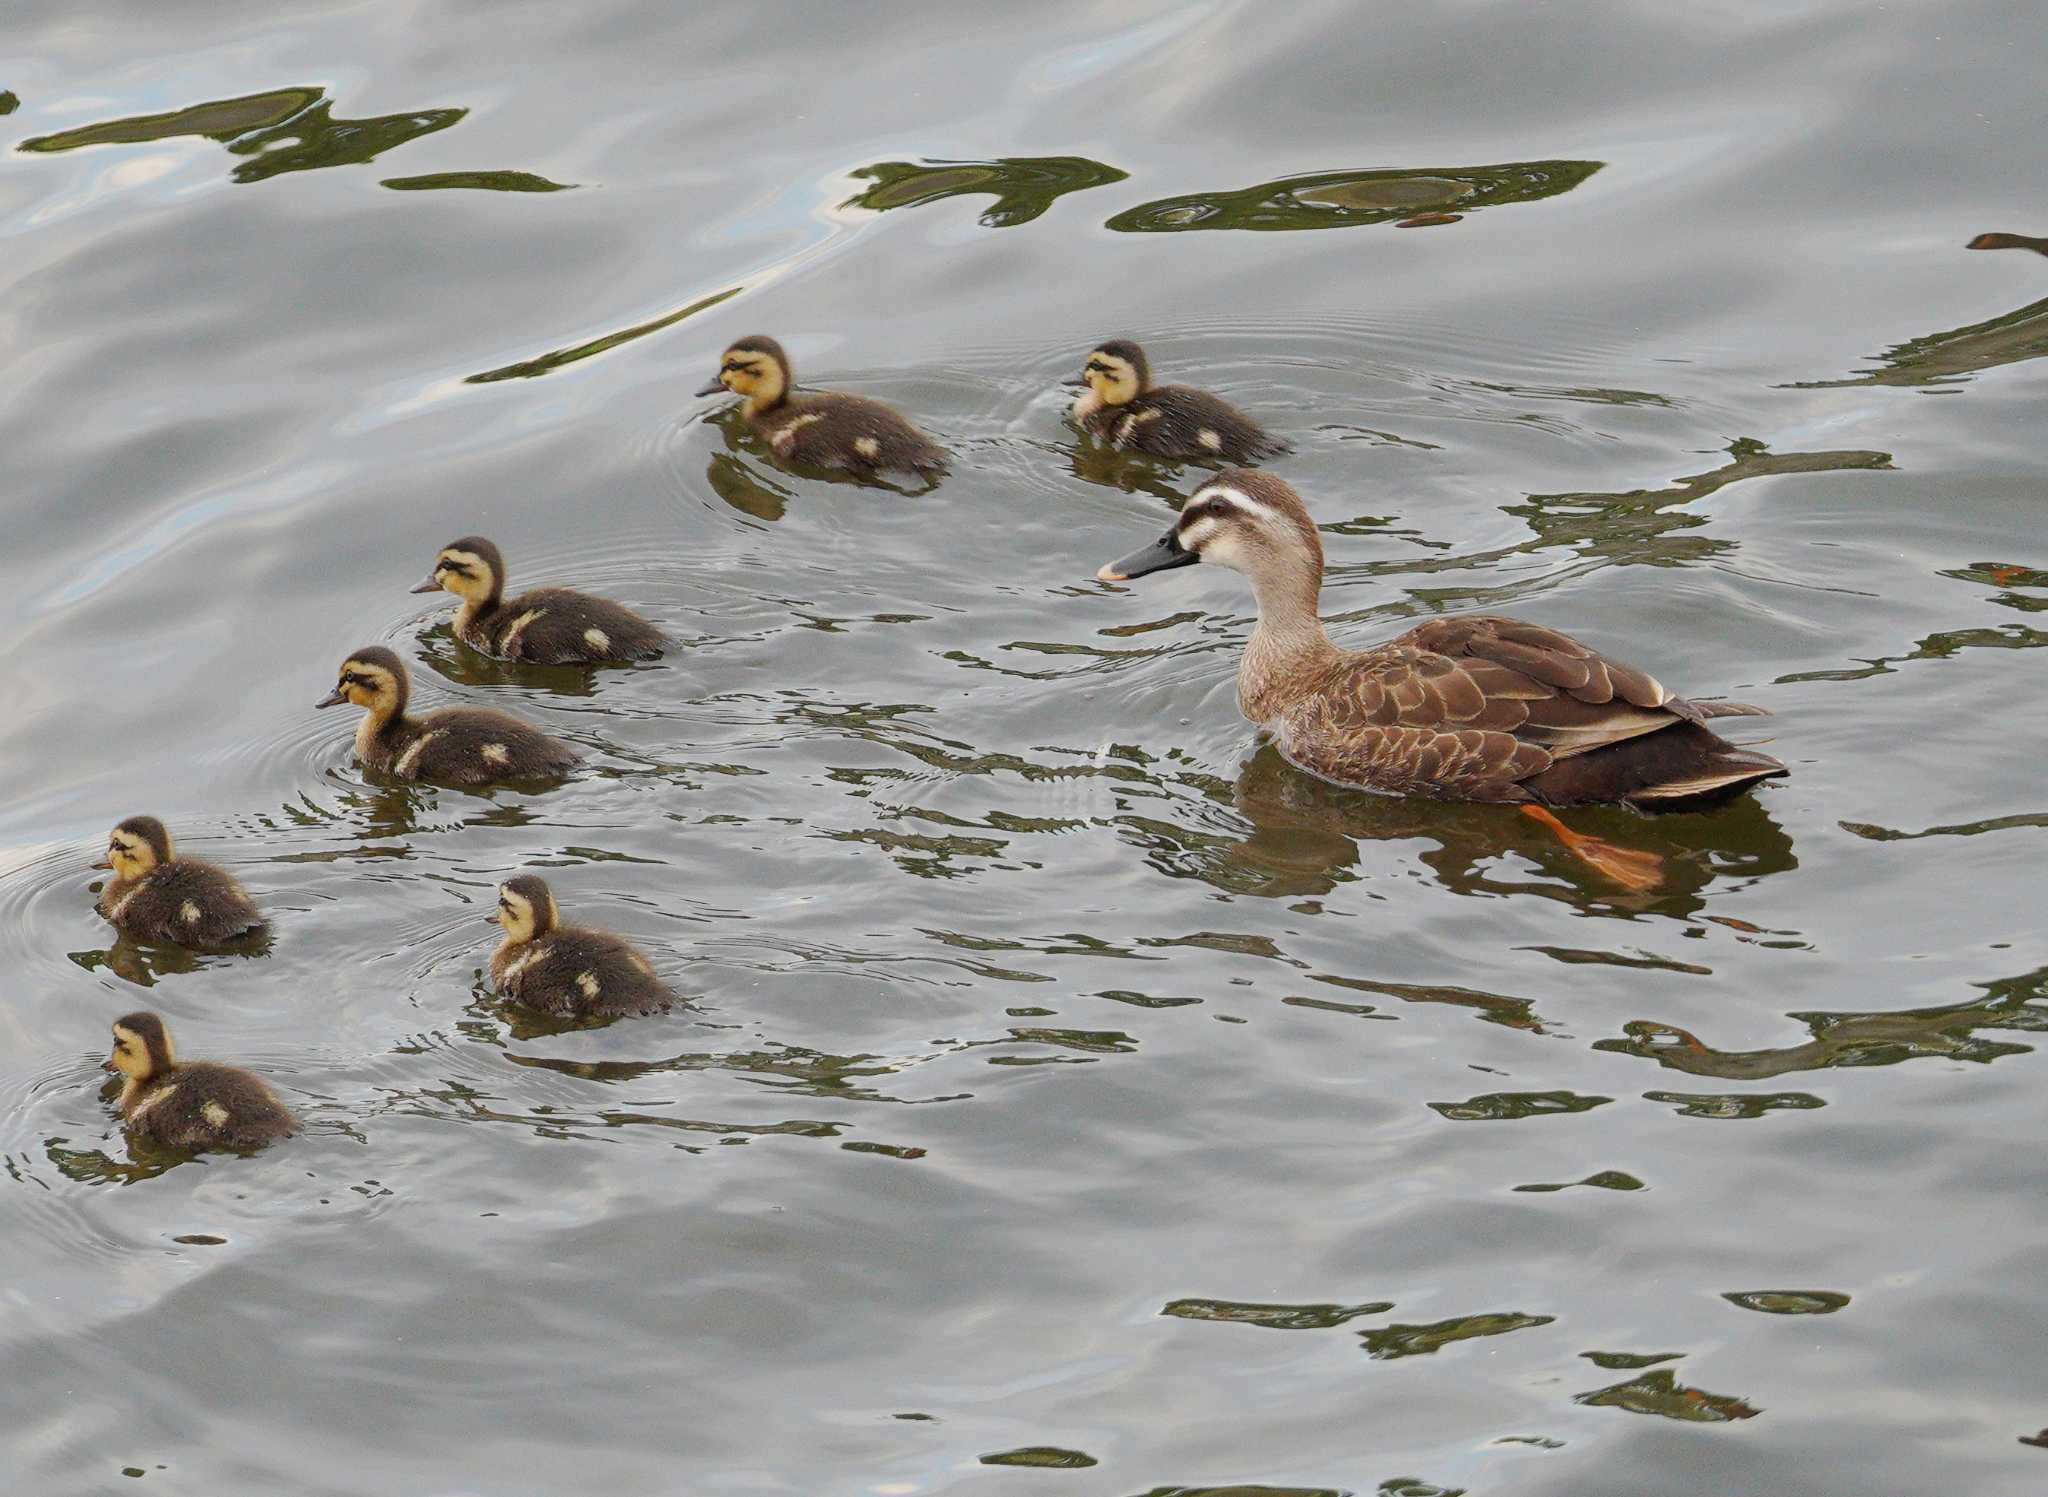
(1305, 835)
(1473, 707)
(828, 429)
(1121, 407)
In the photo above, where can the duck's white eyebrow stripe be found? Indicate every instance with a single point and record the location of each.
(1234, 496)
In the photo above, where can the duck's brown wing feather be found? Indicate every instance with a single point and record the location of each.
(1471, 707)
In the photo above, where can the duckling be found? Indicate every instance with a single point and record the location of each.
(825, 430)
(456, 745)
(548, 626)
(568, 970)
(195, 1104)
(1119, 405)
(1474, 707)
(155, 895)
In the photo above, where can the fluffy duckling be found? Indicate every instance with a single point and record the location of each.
(1119, 405)
(155, 895)
(456, 745)
(826, 430)
(195, 1104)
(548, 626)
(1466, 708)
(570, 971)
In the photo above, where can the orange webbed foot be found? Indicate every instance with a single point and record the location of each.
(1633, 869)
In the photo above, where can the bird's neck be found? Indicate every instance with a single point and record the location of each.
(1288, 648)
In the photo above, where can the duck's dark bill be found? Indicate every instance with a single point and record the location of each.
(1159, 556)
(333, 698)
(716, 387)
(431, 585)
(1078, 382)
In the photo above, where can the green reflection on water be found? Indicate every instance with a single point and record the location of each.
(1735, 1106)
(1050, 1456)
(1274, 1317)
(1789, 1301)
(487, 181)
(9, 101)
(1494, 1107)
(560, 358)
(1638, 528)
(1629, 1361)
(1395, 1341)
(1332, 200)
(1880, 1038)
(1949, 358)
(282, 130)
(316, 139)
(1023, 186)
(219, 119)
(1661, 1393)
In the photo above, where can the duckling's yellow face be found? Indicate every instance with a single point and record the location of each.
(128, 855)
(366, 684)
(1114, 378)
(131, 1055)
(464, 573)
(516, 914)
(754, 374)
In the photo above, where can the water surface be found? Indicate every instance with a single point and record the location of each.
(1069, 1085)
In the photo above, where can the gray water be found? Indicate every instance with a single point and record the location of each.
(1062, 1076)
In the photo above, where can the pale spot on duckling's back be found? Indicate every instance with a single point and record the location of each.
(867, 447)
(597, 639)
(496, 753)
(536, 952)
(190, 912)
(1212, 440)
(411, 757)
(588, 982)
(510, 643)
(784, 439)
(155, 1099)
(216, 1114)
(1136, 419)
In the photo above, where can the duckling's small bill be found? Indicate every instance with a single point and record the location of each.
(333, 698)
(1162, 555)
(716, 387)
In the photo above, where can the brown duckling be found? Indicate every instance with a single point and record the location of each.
(823, 430)
(548, 626)
(1473, 707)
(456, 745)
(155, 895)
(1120, 406)
(195, 1104)
(570, 971)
